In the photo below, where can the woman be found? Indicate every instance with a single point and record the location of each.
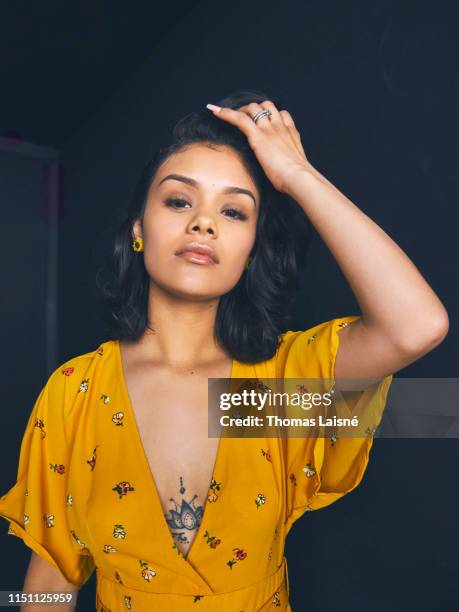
(116, 470)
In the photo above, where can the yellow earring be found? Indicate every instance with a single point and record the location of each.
(137, 244)
(249, 259)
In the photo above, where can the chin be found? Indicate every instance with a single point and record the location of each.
(192, 290)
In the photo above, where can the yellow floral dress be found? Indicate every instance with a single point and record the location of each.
(85, 498)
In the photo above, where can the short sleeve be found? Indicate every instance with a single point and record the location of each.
(36, 506)
(321, 470)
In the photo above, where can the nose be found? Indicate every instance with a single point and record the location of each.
(203, 223)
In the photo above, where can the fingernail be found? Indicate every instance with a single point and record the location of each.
(214, 107)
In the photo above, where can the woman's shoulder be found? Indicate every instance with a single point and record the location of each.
(80, 361)
(312, 350)
(325, 329)
(73, 375)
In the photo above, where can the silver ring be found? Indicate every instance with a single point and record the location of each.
(263, 113)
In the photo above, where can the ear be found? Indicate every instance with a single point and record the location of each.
(137, 229)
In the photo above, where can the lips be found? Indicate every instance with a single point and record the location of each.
(198, 252)
(197, 257)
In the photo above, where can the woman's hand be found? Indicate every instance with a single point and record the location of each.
(274, 140)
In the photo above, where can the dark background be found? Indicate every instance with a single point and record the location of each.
(373, 89)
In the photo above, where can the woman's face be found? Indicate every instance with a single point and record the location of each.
(193, 207)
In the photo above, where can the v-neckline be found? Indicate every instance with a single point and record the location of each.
(141, 449)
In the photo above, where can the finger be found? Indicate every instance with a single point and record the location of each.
(237, 118)
(275, 118)
(251, 109)
(290, 124)
(287, 118)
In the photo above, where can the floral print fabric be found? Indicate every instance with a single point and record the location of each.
(85, 498)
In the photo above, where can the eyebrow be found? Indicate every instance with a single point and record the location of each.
(194, 183)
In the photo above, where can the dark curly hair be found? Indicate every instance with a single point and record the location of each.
(252, 315)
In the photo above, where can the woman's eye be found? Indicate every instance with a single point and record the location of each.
(173, 201)
(238, 214)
